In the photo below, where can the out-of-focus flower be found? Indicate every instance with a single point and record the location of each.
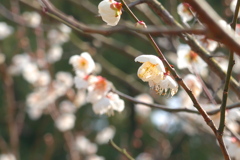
(2, 58)
(208, 44)
(64, 28)
(57, 37)
(54, 53)
(67, 107)
(83, 64)
(32, 19)
(80, 98)
(7, 156)
(189, 59)
(105, 135)
(162, 86)
(110, 11)
(109, 104)
(184, 12)
(31, 72)
(141, 109)
(151, 68)
(141, 24)
(193, 84)
(144, 156)
(98, 88)
(95, 157)
(233, 147)
(5, 30)
(84, 146)
(19, 62)
(65, 79)
(65, 122)
(233, 6)
(81, 82)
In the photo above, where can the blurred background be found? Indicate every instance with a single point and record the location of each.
(29, 36)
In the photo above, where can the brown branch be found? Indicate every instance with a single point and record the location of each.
(190, 40)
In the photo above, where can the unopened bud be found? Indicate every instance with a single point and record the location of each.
(140, 24)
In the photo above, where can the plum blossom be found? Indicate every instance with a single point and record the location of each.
(5, 30)
(84, 146)
(108, 104)
(141, 109)
(184, 12)
(7, 156)
(151, 68)
(110, 11)
(189, 59)
(162, 86)
(95, 157)
(60, 36)
(33, 19)
(67, 107)
(98, 88)
(54, 53)
(83, 64)
(208, 44)
(65, 122)
(105, 135)
(2, 58)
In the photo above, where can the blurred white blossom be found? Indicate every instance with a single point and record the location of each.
(54, 53)
(110, 11)
(83, 64)
(84, 146)
(5, 30)
(144, 156)
(105, 135)
(95, 157)
(141, 109)
(207, 43)
(67, 107)
(108, 104)
(65, 122)
(184, 12)
(189, 59)
(7, 156)
(2, 58)
(32, 19)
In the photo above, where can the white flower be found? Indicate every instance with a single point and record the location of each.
(183, 10)
(19, 62)
(33, 19)
(110, 11)
(7, 156)
(98, 88)
(105, 135)
(209, 44)
(5, 30)
(2, 58)
(193, 84)
(144, 156)
(82, 64)
(80, 98)
(151, 68)
(65, 122)
(43, 78)
(141, 109)
(54, 53)
(64, 28)
(81, 82)
(31, 72)
(65, 79)
(95, 157)
(189, 59)
(233, 6)
(67, 107)
(85, 146)
(57, 37)
(108, 104)
(165, 85)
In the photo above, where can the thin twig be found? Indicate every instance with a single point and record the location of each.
(229, 73)
(123, 151)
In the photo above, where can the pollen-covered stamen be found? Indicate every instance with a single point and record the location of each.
(101, 84)
(192, 56)
(148, 71)
(117, 7)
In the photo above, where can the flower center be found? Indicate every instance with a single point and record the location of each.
(117, 6)
(82, 63)
(148, 71)
(192, 56)
(101, 84)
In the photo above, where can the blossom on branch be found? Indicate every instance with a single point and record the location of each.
(189, 59)
(110, 11)
(185, 12)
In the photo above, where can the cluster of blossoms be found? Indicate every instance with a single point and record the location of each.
(152, 71)
(98, 88)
